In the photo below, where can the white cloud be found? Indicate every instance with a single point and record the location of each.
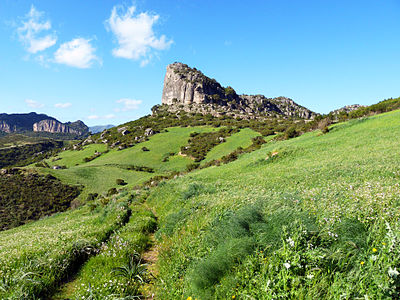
(33, 104)
(129, 104)
(135, 36)
(30, 32)
(96, 117)
(63, 105)
(78, 53)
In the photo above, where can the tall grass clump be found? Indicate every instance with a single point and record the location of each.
(235, 236)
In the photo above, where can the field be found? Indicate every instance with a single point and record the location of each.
(36, 257)
(101, 173)
(239, 139)
(313, 217)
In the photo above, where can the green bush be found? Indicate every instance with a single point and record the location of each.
(120, 181)
(112, 191)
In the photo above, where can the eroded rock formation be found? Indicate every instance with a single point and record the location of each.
(190, 90)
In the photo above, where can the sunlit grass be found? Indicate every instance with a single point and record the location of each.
(349, 174)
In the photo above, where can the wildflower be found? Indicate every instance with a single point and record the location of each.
(374, 250)
(362, 263)
(286, 265)
(374, 257)
(290, 242)
(393, 272)
(233, 297)
(310, 276)
(189, 298)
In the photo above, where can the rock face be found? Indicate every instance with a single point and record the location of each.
(54, 126)
(10, 123)
(190, 90)
(4, 126)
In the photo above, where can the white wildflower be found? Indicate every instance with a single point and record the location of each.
(393, 272)
(290, 242)
(286, 265)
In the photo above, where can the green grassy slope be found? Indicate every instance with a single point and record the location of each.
(159, 145)
(36, 257)
(100, 174)
(317, 220)
(72, 158)
(239, 139)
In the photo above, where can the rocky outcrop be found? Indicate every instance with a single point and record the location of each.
(347, 109)
(54, 126)
(190, 90)
(5, 127)
(10, 123)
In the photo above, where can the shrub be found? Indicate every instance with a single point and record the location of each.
(291, 132)
(120, 181)
(192, 167)
(27, 195)
(92, 196)
(112, 191)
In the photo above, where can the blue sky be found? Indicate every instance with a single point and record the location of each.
(104, 61)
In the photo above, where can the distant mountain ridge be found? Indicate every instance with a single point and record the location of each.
(190, 90)
(15, 123)
(100, 128)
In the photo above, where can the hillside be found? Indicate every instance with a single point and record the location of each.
(40, 123)
(309, 217)
(314, 217)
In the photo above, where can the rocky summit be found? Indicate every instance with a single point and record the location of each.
(190, 90)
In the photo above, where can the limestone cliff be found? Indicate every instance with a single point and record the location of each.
(54, 126)
(11, 123)
(190, 90)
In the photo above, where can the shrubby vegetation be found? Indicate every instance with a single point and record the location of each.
(27, 196)
(200, 143)
(28, 154)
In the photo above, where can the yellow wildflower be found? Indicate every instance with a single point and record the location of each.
(374, 250)
(189, 298)
(233, 297)
(362, 262)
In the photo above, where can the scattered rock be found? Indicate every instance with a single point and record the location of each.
(148, 132)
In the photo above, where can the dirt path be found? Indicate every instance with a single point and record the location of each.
(151, 257)
(66, 290)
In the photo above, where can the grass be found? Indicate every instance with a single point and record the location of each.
(36, 257)
(239, 139)
(99, 179)
(71, 158)
(98, 278)
(346, 181)
(159, 145)
(100, 174)
(314, 217)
